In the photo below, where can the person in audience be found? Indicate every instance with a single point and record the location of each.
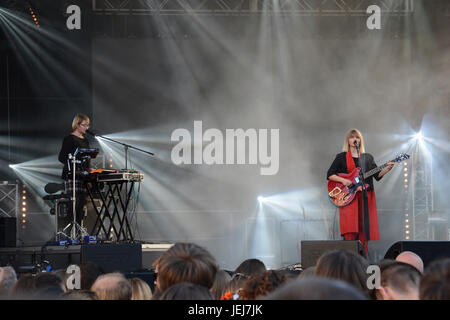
(289, 274)
(8, 278)
(140, 290)
(316, 288)
(412, 259)
(250, 267)
(308, 272)
(186, 262)
(261, 284)
(221, 282)
(63, 276)
(344, 265)
(89, 272)
(79, 295)
(232, 291)
(243, 272)
(23, 288)
(435, 283)
(186, 291)
(399, 281)
(48, 286)
(112, 286)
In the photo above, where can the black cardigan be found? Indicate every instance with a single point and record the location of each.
(339, 165)
(69, 145)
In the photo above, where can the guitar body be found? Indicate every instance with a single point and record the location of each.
(342, 195)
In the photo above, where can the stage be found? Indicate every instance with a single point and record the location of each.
(216, 122)
(122, 257)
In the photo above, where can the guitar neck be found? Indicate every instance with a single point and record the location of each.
(375, 170)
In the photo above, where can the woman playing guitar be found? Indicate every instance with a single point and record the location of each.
(352, 216)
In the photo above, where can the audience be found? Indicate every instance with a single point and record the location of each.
(89, 273)
(189, 272)
(220, 284)
(261, 284)
(48, 286)
(187, 291)
(185, 262)
(399, 281)
(23, 288)
(317, 288)
(344, 265)
(243, 272)
(112, 286)
(250, 267)
(8, 278)
(412, 259)
(435, 283)
(308, 272)
(140, 290)
(79, 295)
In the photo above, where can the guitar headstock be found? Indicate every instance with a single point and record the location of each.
(401, 157)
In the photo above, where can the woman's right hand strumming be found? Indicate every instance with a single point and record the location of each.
(344, 181)
(347, 182)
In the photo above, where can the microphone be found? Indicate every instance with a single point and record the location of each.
(356, 143)
(90, 132)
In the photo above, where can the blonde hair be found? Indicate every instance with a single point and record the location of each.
(354, 132)
(140, 289)
(78, 119)
(112, 286)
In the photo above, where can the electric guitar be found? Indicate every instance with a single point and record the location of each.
(342, 195)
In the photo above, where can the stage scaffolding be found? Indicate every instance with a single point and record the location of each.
(249, 7)
(424, 217)
(9, 199)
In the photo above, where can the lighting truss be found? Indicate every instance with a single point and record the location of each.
(422, 196)
(246, 7)
(9, 199)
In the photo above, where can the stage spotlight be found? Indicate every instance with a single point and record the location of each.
(418, 135)
(260, 198)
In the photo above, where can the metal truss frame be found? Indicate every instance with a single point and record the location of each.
(246, 7)
(9, 199)
(422, 195)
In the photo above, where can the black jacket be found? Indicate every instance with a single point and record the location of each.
(69, 145)
(339, 165)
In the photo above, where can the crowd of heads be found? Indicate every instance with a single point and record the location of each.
(187, 271)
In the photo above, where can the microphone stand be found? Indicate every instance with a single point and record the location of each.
(365, 213)
(125, 145)
(75, 226)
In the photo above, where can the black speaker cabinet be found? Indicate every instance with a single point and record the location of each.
(151, 252)
(121, 257)
(312, 250)
(427, 250)
(8, 232)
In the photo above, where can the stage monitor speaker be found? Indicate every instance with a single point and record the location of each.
(147, 276)
(122, 257)
(312, 250)
(151, 252)
(427, 250)
(8, 227)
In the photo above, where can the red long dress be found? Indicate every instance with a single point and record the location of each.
(351, 216)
